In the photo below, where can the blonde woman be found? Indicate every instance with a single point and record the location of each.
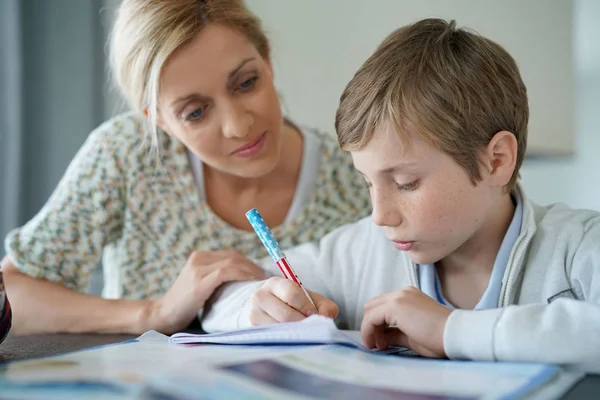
(169, 224)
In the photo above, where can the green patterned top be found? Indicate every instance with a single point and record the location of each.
(143, 217)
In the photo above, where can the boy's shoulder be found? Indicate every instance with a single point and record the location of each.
(560, 217)
(575, 232)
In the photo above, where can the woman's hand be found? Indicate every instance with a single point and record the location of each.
(202, 274)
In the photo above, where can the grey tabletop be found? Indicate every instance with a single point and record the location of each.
(32, 346)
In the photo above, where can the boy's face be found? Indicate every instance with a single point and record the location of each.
(424, 201)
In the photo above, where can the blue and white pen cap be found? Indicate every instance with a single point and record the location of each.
(264, 234)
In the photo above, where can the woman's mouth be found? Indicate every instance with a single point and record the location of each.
(252, 148)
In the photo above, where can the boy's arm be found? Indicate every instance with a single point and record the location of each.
(565, 331)
(5, 311)
(317, 264)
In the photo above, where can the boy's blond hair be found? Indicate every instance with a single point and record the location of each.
(452, 87)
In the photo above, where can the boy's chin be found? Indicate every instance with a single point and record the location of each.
(423, 258)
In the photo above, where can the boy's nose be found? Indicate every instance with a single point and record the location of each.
(384, 213)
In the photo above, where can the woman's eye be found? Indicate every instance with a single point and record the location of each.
(195, 115)
(248, 83)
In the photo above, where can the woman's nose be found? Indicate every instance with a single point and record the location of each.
(236, 122)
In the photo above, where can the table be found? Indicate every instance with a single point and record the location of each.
(31, 346)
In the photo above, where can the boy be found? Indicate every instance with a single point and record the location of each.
(462, 265)
(5, 313)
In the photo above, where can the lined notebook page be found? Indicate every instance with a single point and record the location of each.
(315, 329)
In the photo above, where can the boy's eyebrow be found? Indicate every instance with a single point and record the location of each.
(198, 96)
(390, 170)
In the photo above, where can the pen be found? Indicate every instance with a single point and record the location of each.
(266, 237)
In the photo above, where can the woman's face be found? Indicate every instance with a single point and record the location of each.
(217, 97)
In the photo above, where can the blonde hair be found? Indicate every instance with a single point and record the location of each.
(147, 32)
(452, 87)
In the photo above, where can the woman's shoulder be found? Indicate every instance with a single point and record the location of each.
(123, 132)
(127, 138)
(331, 153)
(325, 138)
(336, 164)
(339, 188)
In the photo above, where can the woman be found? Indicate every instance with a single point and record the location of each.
(169, 224)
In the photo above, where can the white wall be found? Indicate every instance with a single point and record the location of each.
(576, 180)
(319, 45)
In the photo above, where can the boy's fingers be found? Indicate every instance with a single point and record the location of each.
(373, 320)
(395, 337)
(376, 301)
(381, 341)
(289, 292)
(325, 306)
(367, 333)
(259, 317)
(279, 310)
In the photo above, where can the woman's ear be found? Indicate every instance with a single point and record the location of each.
(159, 121)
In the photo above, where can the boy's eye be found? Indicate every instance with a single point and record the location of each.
(408, 186)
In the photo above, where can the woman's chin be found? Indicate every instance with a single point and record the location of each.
(256, 168)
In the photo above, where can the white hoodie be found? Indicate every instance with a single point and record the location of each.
(549, 302)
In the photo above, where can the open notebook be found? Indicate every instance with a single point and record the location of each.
(315, 329)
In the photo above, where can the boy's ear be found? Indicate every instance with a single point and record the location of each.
(500, 158)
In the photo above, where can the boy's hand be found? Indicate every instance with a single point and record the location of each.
(417, 322)
(282, 300)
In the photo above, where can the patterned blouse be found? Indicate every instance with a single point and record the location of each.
(5, 313)
(142, 215)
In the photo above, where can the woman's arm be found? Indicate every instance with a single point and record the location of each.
(43, 306)
(49, 260)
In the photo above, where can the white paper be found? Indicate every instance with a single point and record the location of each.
(315, 329)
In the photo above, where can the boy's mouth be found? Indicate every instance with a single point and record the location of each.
(403, 246)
